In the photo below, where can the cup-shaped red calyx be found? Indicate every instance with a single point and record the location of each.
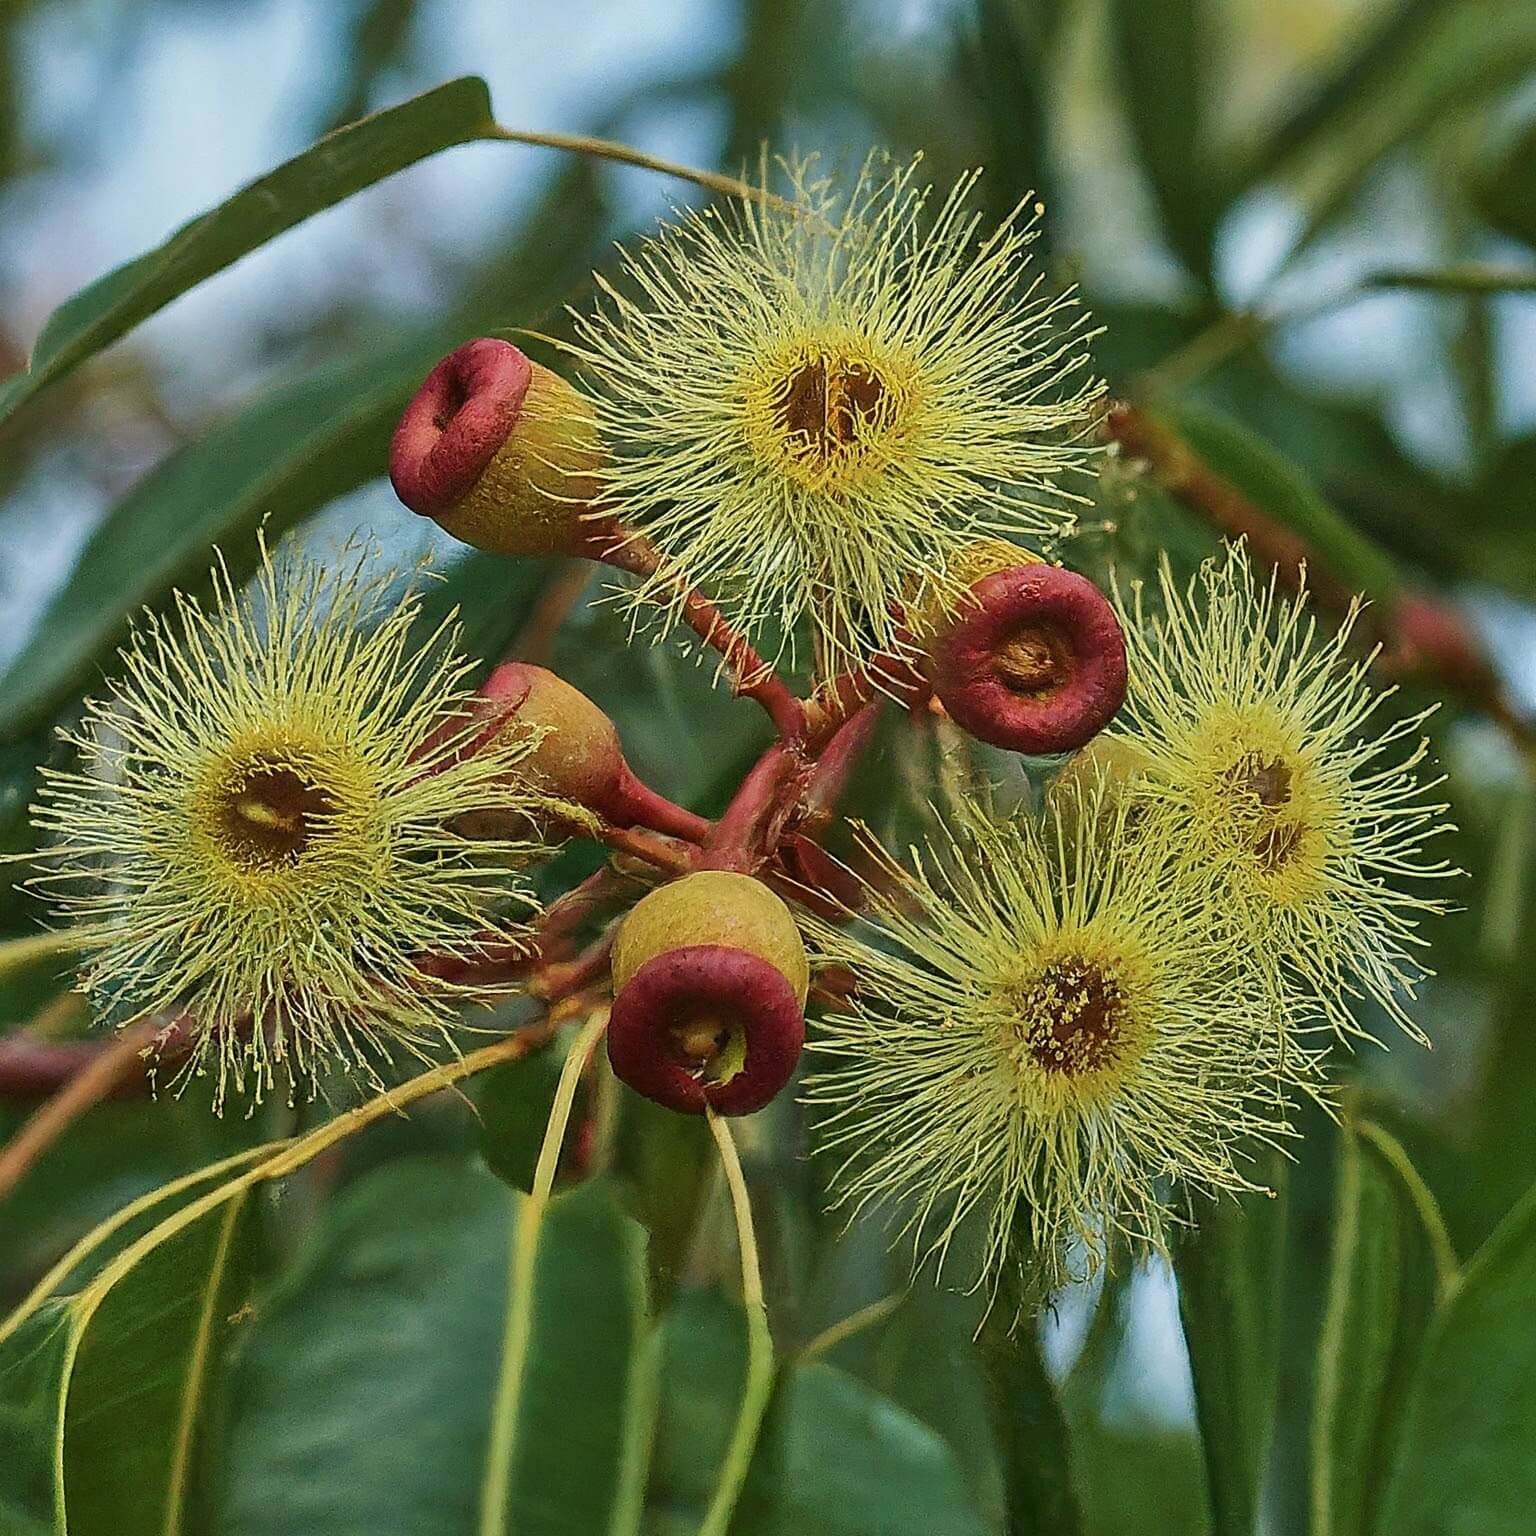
(706, 1025)
(1033, 660)
(463, 413)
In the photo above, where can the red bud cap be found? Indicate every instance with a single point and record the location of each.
(1032, 660)
(706, 1026)
(499, 451)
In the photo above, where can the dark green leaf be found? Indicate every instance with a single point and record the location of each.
(1505, 191)
(1031, 1434)
(834, 1459)
(282, 457)
(1229, 1274)
(122, 1383)
(145, 1404)
(1164, 54)
(1463, 1460)
(367, 1399)
(330, 171)
(513, 1103)
(1381, 1290)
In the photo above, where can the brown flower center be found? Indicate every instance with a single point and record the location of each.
(828, 405)
(1072, 1017)
(1030, 663)
(1269, 782)
(268, 818)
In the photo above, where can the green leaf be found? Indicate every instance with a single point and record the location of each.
(367, 1393)
(329, 172)
(1031, 1432)
(1381, 1290)
(1505, 191)
(1283, 492)
(290, 452)
(835, 1458)
(1463, 1461)
(1453, 57)
(1164, 54)
(512, 1103)
(121, 1384)
(1229, 1274)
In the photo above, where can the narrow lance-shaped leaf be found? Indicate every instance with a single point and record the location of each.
(1463, 1461)
(1229, 1275)
(1381, 1289)
(1164, 54)
(327, 173)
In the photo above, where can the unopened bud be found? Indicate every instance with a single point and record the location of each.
(710, 977)
(500, 452)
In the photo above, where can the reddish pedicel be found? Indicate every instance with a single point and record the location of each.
(461, 416)
(1032, 660)
(706, 1026)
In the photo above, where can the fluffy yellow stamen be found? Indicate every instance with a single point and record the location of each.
(265, 827)
(815, 408)
(1051, 1031)
(1293, 802)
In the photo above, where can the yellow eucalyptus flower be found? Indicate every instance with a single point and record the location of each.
(1260, 736)
(1046, 1030)
(812, 406)
(264, 826)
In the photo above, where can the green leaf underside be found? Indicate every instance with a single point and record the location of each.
(365, 1398)
(1464, 1461)
(1229, 1274)
(327, 173)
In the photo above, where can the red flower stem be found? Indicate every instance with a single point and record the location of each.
(650, 809)
(835, 767)
(568, 977)
(752, 822)
(664, 853)
(1457, 664)
(751, 676)
(838, 701)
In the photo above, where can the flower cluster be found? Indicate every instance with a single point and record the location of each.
(856, 416)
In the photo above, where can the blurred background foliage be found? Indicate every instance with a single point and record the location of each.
(1309, 232)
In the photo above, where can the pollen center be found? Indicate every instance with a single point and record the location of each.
(709, 1048)
(1268, 780)
(830, 406)
(269, 815)
(1072, 1018)
(1268, 783)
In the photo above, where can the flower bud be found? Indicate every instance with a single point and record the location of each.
(1031, 659)
(500, 452)
(710, 978)
(578, 756)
